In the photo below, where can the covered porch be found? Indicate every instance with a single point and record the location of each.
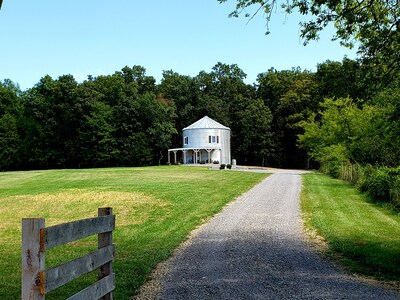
(194, 155)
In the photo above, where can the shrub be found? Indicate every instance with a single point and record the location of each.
(215, 162)
(229, 166)
(332, 160)
(379, 185)
(222, 166)
(382, 183)
(366, 174)
(395, 192)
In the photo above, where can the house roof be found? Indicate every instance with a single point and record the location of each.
(206, 123)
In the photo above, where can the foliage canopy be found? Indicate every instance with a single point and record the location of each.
(374, 25)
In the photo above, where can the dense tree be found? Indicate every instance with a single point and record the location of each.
(184, 92)
(291, 95)
(9, 98)
(342, 79)
(138, 75)
(97, 144)
(253, 139)
(10, 111)
(344, 132)
(126, 119)
(9, 141)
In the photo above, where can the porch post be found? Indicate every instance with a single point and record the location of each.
(169, 160)
(175, 156)
(196, 151)
(209, 155)
(184, 156)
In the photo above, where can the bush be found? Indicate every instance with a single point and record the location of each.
(229, 166)
(215, 162)
(222, 166)
(365, 176)
(395, 192)
(332, 160)
(379, 185)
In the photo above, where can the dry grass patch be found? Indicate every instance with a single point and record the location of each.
(76, 204)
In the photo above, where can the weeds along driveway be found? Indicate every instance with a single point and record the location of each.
(255, 249)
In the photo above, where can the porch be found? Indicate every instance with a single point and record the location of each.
(194, 155)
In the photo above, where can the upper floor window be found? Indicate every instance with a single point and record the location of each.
(186, 140)
(213, 139)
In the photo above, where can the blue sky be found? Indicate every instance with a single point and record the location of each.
(99, 37)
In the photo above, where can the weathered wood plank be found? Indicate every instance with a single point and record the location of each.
(33, 261)
(96, 290)
(105, 239)
(64, 273)
(36, 239)
(64, 233)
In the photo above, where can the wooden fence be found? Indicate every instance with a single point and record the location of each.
(36, 239)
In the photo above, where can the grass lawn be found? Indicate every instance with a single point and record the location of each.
(362, 236)
(155, 208)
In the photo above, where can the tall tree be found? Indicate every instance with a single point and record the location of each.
(9, 141)
(291, 95)
(345, 132)
(10, 98)
(184, 92)
(138, 74)
(342, 79)
(253, 140)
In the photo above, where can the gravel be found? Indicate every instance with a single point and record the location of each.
(255, 249)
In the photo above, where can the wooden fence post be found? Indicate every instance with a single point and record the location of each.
(105, 239)
(33, 260)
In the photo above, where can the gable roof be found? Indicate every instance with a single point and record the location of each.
(206, 123)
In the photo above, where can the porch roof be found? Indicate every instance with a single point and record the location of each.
(201, 148)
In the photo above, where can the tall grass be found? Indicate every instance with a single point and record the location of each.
(155, 208)
(364, 236)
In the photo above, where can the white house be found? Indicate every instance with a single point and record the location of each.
(204, 141)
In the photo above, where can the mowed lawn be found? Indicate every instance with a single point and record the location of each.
(155, 208)
(361, 235)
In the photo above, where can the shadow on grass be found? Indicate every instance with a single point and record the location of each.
(378, 259)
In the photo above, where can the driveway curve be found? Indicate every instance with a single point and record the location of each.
(255, 249)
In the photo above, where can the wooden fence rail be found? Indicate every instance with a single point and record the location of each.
(36, 239)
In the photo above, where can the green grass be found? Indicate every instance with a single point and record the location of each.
(155, 208)
(361, 235)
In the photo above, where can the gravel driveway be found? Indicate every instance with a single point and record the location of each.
(255, 249)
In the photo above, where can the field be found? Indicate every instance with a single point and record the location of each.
(360, 235)
(155, 208)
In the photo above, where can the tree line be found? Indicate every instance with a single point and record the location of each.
(291, 118)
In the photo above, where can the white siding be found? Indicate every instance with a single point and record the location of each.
(199, 139)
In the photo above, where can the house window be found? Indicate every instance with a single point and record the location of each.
(186, 140)
(213, 139)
